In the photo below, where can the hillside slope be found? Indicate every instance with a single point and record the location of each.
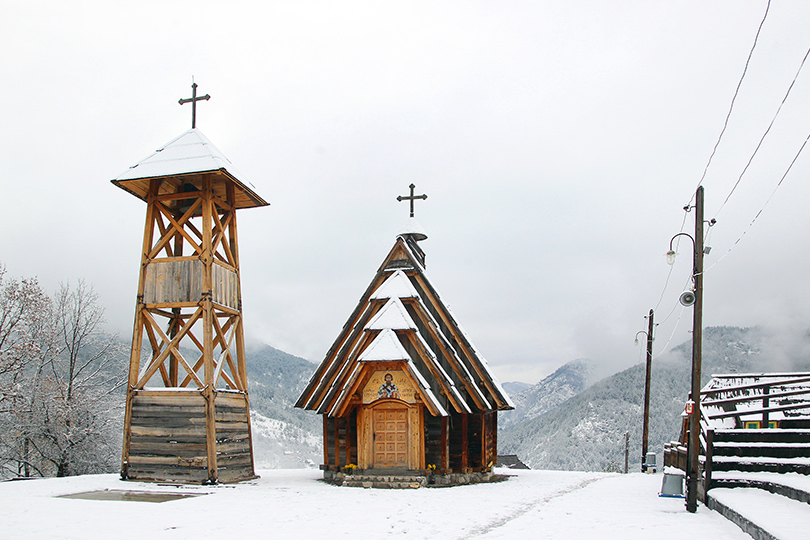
(587, 432)
(536, 400)
(283, 437)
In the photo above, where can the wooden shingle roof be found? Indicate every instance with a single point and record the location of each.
(401, 318)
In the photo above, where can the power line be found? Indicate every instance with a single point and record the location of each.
(796, 157)
(733, 99)
(778, 110)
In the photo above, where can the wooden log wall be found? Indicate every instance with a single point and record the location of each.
(168, 440)
(475, 440)
(340, 440)
(234, 451)
(456, 442)
(329, 442)
(434, 441)
(491, 439)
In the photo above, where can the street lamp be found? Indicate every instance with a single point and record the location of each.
(693, 443)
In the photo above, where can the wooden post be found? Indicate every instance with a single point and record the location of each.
(325, 439)
(208, 331)
(766, 403)
(494, 439)
(626, 451)
(464, 444)
(445, 439)
(697, 344)
(646, 425)
(707, 471)
(137, 332)
(336, 421)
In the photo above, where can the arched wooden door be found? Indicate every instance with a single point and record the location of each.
(390, 433)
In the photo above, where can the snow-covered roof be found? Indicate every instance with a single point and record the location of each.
(727, 401)
(392, 316)
(188, 155)
(385, 347)
(191, 152)
(396, 286)
(401, 318)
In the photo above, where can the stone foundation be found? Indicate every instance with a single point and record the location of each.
(406, 481)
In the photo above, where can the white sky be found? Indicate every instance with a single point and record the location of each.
(557, 142)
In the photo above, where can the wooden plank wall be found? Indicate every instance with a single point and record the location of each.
(168, 281)
(226, 286)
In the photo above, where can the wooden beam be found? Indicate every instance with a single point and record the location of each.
(464, 443)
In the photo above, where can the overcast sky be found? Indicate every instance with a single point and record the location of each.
(557, 142)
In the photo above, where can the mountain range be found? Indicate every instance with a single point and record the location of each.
(586, 432)
(566, 421)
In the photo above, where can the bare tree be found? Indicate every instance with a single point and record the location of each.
(25, 345)
(59, 373)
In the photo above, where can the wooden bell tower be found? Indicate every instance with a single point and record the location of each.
(187, 410)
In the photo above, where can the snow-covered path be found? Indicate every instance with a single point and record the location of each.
(293, 503)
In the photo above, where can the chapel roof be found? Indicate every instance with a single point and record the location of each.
(401, 318)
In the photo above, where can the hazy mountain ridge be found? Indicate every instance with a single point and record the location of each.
(536, 400)
(587, 431)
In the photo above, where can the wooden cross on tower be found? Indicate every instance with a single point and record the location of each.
(193, 100)
(411, 197)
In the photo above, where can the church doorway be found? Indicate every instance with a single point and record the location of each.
(390, 428)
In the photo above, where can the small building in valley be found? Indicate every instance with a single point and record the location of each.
(403, 388)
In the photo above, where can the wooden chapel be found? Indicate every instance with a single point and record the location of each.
(187, 413)
(403, 388)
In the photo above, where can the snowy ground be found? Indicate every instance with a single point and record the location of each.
(295, 504)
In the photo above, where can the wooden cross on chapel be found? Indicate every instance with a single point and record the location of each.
(411, 197)
(193, 100)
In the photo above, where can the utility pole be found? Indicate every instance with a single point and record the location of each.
(626, 451)
(697, 341)
(645, 431)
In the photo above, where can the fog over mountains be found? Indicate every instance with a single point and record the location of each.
(586, 431)
(566, 421)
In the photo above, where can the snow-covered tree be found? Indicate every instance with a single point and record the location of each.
(58, 376)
